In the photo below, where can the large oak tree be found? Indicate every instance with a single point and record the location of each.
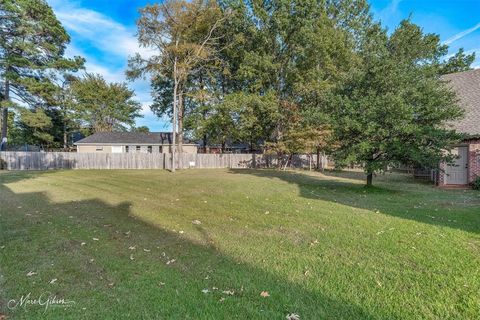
(394, 107)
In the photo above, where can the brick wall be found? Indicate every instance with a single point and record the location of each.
(441, 174)
(474, 159)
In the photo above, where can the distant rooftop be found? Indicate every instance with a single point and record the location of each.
(467, 86)
(129, 138)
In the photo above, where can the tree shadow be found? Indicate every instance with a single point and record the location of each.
(392, 194)
(114, 265)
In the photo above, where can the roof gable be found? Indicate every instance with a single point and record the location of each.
(467, 86)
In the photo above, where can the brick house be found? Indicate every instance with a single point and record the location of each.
(467, 165)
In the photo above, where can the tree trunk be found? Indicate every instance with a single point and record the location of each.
(223, 146)
(205, 143)
(3, 142)
(65, 142)
(180, 120)
(174, 120)
(318, 159)
(369, 179)
(180, 128)
(279, 160)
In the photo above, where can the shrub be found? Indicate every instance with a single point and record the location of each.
(476, 184)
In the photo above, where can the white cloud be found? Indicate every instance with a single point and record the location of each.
(390, 12)
(106, 44)
(462, 34)
(393, 6)
(102, 32)
(145, 108)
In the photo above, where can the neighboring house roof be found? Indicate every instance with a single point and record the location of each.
(467, 86)
(129, 138)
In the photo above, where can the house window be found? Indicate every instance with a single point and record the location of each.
(149, 149)
(160, 149)
(126, 149)
(99, 148)
(137, 148)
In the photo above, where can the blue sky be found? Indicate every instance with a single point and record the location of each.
(103, 31)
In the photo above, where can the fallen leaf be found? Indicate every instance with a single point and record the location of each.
(205, 291)
(222, 299)
(131, 257)
(132, 247)
(53, 281)
(146, 250)
(95, 239)
(264, 294)
(31, 273)
(170, 261)
(292, 316)
(83, 243)
(196, 222)
(229, 292)
(162, 283)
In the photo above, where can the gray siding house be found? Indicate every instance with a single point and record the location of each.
(131, 142)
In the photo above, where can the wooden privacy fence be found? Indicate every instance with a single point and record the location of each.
(69, 160)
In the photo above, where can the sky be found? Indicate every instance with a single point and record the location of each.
(103, 32)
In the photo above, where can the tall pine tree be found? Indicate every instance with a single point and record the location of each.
(32, 44)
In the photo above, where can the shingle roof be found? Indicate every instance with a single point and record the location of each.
(142, 138)
(467, 86)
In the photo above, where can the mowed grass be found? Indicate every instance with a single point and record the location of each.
(322, 245)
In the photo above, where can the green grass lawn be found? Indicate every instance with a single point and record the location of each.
(122, 245)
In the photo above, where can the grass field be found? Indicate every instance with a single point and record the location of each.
(122, 245)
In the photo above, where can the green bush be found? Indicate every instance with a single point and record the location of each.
(476, 184)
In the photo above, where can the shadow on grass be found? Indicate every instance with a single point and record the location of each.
(393, 194)
(114, 265)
